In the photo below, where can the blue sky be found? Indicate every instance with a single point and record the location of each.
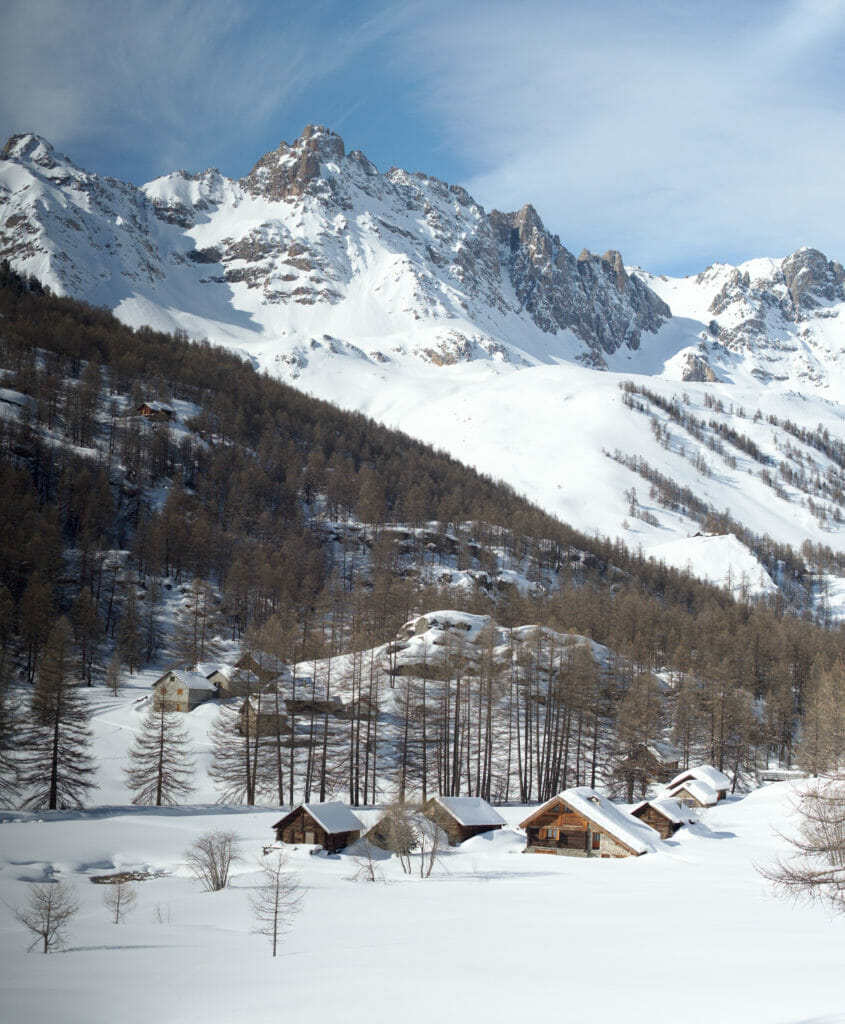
(681, 133)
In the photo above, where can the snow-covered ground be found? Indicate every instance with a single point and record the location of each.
(691, 933)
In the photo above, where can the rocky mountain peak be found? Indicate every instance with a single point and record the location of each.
(810, 277)
(613, 259)
(290, 170)
(33, 149)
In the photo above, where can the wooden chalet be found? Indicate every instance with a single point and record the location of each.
(462, 817)
(694, 793)
(706, 773)
(664, 816)
(330, 825)
(182, 690)
(156, 411)
(582, 823)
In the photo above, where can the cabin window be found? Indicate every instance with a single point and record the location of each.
(180, 692)
(552, 833)
(596, 840)
(565, 810)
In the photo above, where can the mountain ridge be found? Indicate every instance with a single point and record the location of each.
(397, 294)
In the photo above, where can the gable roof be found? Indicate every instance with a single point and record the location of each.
(333, 817)
(671, 810)
(632, 833)
(193, 680)
(703, 773)
(470, 810)
(703, 793)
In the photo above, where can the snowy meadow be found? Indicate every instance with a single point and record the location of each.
(692, 931)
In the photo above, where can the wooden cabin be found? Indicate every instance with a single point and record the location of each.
(155, 411)
(462, 817)
(330, 825)
(694, 793)
(706, 773)
(581, 822)
(664, 816)
(182, 690)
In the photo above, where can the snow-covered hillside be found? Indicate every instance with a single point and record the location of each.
(398, 295)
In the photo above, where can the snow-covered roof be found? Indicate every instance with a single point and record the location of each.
(193, 680)
(701, 791)
(616, 822)
(670, 809)
(470, 810)
(704, 773)
(333, 816)
(208, 668)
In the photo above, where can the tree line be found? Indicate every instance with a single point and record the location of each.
(272, 511)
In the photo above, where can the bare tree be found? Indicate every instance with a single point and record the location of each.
(211, 858)
(368, 870)
(120, 897)
(400, 833)
(276, 899)
(49, 908)
(431, 839)
(816, 870)
(161, 762)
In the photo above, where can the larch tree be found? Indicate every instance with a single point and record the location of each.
(58, 767)
(48, 911)
(815, 871)
(276, 899)
(822, 742)
(161, 763)
(9, 739)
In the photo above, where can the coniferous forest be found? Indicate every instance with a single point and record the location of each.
(136, 465)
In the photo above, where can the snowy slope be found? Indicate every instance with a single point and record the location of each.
(398, 295)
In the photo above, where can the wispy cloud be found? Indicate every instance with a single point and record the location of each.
(678, 132)
(170, 76)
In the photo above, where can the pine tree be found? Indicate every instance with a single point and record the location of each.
(161, 761)
(58, 768)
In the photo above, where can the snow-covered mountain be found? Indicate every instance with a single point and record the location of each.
(480, 332)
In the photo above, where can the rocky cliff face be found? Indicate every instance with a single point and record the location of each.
(592, 295)
(311, 225)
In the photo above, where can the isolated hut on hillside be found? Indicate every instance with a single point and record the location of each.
(156, 410)
(462, 817)
(664, 816)
(582, 823)
(182, 690)
(716, 780)
(330, 825)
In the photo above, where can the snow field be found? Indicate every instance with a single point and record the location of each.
(691, 933)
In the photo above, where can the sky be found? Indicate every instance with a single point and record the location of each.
(680, 132)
